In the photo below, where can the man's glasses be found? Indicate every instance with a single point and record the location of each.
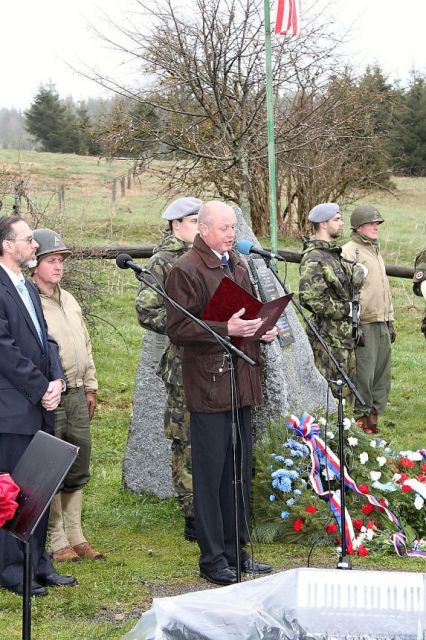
(29, 239)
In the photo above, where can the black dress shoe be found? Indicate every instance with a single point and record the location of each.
(55, 580)
(222, 576)
(250, 566)
(36, 589)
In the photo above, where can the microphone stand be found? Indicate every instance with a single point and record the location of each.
(344, 561)
(232, 351)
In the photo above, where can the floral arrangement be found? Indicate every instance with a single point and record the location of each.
(297, 494)
(9, 491)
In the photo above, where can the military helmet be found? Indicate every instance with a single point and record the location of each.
(363, 214)
(49, 242)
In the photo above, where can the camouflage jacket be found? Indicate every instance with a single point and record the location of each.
(325, 289)
(150, 307)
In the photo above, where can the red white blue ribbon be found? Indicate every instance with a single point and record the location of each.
(309, 431)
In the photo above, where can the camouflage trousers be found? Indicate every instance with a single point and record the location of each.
(176, 429)
(345, 358)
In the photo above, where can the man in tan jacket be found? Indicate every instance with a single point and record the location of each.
(373, 352)
(72, 419)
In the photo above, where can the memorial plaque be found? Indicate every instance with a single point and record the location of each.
(267, 286)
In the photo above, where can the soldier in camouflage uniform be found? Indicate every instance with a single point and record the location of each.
(326, 289)
(419, 282)
(182, 217)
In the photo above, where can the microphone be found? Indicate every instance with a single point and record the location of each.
(246, 247)
(124, 261)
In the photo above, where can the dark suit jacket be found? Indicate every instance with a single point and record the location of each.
(25, 367)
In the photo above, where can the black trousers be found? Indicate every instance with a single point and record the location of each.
(212, 476)
(12, 550)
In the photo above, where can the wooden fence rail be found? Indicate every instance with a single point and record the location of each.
(145, 251)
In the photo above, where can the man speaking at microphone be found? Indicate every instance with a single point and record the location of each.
(206, 379)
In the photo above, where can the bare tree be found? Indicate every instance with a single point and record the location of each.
(205, 76)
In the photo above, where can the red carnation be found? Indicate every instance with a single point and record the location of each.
(367, 508)
(9, 491)
(402, 478)
(384, 503)
(298, 524)
(423, 467)
(357, 524)
(406, 488)
(371, 524)
(364, 488)
(362, 551)
(331, 528)
(421, 477)
(311, 509)
(405, 463)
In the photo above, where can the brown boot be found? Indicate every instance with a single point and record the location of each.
(86, 552)
(373, 422)
(363, 423)
(67, 554)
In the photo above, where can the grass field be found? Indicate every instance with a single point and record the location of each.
(141, 536)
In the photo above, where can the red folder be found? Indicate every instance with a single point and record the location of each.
(229, 298)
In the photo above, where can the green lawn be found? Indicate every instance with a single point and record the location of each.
(142, 536)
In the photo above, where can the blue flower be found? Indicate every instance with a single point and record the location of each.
(278, 458)
(288, 462)
(272, 498)
(297, 492)
(284, 515)
(290, 502)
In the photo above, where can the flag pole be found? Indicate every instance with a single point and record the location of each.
(270, 130)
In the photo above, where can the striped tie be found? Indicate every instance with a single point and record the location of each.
(26, 299)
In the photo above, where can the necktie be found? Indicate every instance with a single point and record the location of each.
(26, 298)
(225, 263)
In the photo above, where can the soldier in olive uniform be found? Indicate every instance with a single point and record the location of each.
(326, 289)
(373, 354)
(419, 282)
(182, 216)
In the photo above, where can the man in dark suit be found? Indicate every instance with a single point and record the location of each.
(31, 382)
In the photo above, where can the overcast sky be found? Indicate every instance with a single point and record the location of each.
(39, 37)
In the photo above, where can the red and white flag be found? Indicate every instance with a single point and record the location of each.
(288, 18)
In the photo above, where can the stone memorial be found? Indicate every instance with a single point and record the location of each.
(291, 384)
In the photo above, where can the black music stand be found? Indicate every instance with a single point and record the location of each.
(39, 474)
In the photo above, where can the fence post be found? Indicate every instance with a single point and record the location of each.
(113, 194)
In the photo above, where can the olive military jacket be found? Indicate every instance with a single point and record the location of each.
(151, 308)
(325, 290)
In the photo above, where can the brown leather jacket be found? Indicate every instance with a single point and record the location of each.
(191, 282)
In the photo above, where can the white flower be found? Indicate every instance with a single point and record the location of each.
(375, 475)
(370, 534)
(347, 423)
(415, 456)
(381, 460)
(382, 443)
(352, 441)
(419, 502)
(363, 457)
(362, 534)
(396, 477)
(322, 421)
(329, 474)
(373, 444)
(330, 435)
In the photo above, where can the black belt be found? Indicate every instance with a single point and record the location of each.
(70, 390)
